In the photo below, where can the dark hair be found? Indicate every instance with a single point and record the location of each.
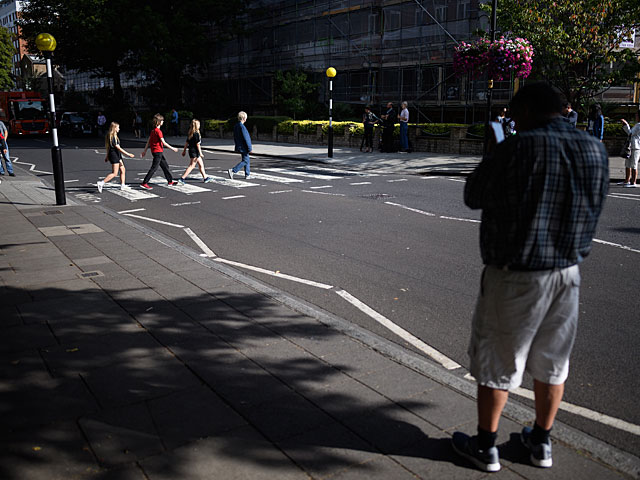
(539, 98)
(566, 104)
(595, 111)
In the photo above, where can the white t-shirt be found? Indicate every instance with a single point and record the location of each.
(404, 115)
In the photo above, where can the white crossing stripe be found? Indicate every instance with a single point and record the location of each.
(296, 173)
(231, 198)
(232, 183)
(321, 186)
(281, 191)
(272, 178)
(360, 183)
(344, 172)
(187, 188)
(398, 180)
(132, 194)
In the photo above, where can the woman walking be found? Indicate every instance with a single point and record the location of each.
(195, 153)
(114, 156)
(595, 126)
(631, 163)
(157, 143)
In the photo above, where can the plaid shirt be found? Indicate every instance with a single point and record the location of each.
(541, 194)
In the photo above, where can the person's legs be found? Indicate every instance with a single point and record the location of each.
(190, 167)
(157, 157)
(122, 173)
(113, 174)
(491, 402)
(165, 168)
(244, 163)
(547, 399)
(404, 136)
(201, 167)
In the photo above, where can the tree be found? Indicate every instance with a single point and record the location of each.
(576, 42)
(7, 51)
(167, 40)
(293, 91)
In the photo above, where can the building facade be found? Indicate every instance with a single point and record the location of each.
(9, 13)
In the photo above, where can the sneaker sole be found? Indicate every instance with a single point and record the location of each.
(544, 463)
(485, 467)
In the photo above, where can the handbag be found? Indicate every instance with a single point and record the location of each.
(626, 148)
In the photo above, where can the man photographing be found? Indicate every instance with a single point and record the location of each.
(541, 193)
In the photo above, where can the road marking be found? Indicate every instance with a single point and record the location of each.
(187, 188)
(184, 203)
(203, 246)
(275, 274)
(624, 196)
(421, 212)
(297, 173)
(235, 196)
(361, 183)
(353, 173)
(444, 217)
(32, 167)
(129, 193)
(154, 220)
(429, 177)
(321, 186)
(617, 245)
(398, 180)
(71, 181)
(88, 197)
(273, 178)
(325, 193)
(281, 191)
(456, 180)
(443, 360)
(232, 183)
(132, 211)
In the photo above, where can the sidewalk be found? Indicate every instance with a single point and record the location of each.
(418, 163)
(128, 356)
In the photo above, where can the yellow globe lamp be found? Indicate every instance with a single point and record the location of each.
(331, 72)
(45, 42)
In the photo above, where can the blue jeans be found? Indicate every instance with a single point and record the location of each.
(245, 162)
(404, 136)
(7, 161)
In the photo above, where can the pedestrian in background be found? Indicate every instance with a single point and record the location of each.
(243, 146)
(595, 126)
(114, 156)
(195, 153)
(369, 119)
(534, 233)
(403, 118)
(174, 122)
(4, 133)
(631, 163)
(156, 144)
(137, 125)
(570, 115)
(102, 121)
(388, 126)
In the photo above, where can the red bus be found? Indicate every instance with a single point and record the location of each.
(24, 113)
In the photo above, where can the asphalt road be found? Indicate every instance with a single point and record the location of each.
(402, 245)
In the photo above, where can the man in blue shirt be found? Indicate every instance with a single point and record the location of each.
(174, 122)
(541, 193)
(242, 146)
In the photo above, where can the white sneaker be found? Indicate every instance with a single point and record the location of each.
(247, 177)
(629, 185)
(622, 183)
(100, 186)
(230, 173)
(124, 186)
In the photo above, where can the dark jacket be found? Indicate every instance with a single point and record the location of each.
(241, 138)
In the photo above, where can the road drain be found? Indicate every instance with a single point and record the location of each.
(377, 196)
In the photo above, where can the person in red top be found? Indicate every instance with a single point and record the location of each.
(157, 143)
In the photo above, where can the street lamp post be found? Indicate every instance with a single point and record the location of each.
(331, 72)
(492, 34)
(47, 44)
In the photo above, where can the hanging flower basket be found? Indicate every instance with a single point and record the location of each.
(499, 59)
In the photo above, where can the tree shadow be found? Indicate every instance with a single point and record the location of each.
(117, 381)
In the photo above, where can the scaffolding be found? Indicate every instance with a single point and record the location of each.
(383, 51)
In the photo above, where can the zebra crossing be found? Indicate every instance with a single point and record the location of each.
(296, 176)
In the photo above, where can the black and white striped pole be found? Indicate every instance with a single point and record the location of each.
(47, 44)
(331, 72)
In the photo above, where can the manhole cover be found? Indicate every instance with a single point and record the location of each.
(91, 274)
(377, 196)
(53, 212)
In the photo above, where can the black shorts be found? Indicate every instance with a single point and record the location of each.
(194, 153)
(114, 159)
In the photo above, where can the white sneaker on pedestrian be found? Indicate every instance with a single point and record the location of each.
(247, 177)
(124, 186)
(629, 185)
(100, 186)
(230, 173)
(622, 183)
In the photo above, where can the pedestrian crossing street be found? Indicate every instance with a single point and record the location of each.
(309, 179)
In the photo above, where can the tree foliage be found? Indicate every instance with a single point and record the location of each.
(7, 51)
(293, 92)
(576, 42)
(166, 40)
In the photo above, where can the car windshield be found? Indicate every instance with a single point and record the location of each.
(29, 110)
(76, 119)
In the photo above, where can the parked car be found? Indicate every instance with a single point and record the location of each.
(76, 124)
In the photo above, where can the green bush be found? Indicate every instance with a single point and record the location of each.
(265, 124)
(286, 127)
(440, 129)
(477, 130)
(213, 124)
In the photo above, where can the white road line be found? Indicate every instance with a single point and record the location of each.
(203, 246)
(444, 217)
(71, 181)
(32, 167)
(273, 178)
(617, 245)
(586, 413)
(456, 180)
(443, 360)
(131, 211)
(154, 220)
(354, 173)
(397, 180)
(296, 173)
(623, 196)
(421, 212)
(235, 196)
(361, 183)
(275, 273)
(131, 194)
(429, 177)
(325, 193)
(187, 188)
(232, 183)
(184, 203)
(281, 191)
(321, 186)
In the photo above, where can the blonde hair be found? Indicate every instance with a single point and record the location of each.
(157, 119)
(111, 134)
(194, 128)
(242, 116)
